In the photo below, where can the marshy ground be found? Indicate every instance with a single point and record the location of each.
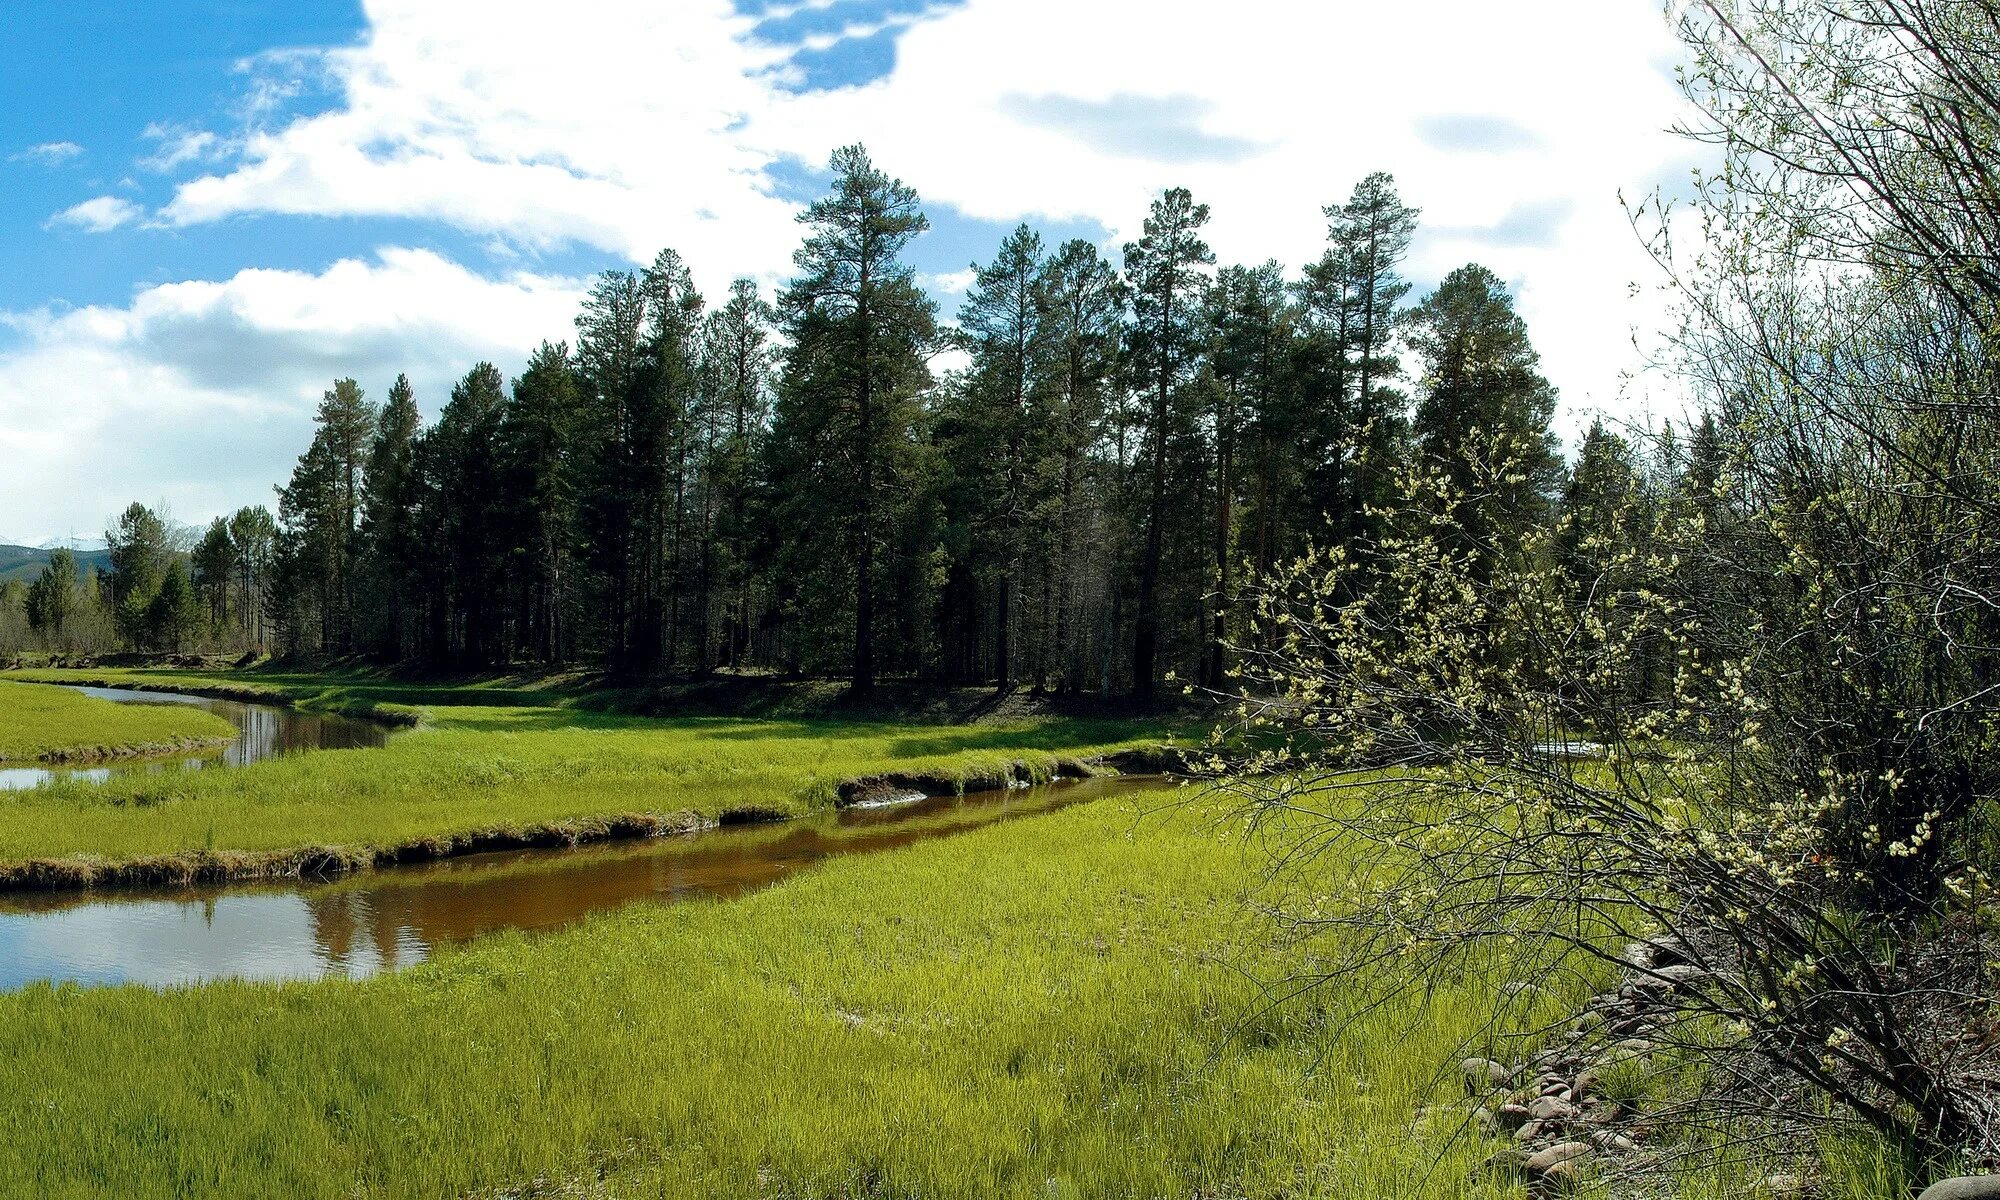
(1088, 1002)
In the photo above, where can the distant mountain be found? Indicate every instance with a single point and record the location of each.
(26, 562)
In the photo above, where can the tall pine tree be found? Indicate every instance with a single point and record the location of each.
(859, 329)
(1165, 273)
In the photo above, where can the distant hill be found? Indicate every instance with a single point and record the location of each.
(26, 562)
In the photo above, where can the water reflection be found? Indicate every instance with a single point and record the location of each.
(387, 919)
(262, 731)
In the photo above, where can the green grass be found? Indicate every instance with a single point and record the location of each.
(55, 723)
(509, 764)
(1059, 1006)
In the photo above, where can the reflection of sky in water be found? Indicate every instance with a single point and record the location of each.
(262, 731)
(164, 942)
(393, 918)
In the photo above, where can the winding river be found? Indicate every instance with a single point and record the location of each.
(262, 731)
(382, 920)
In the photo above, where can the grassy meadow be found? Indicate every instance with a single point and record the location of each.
(1072, 1004)
(511, 759)
(45, 723)
(1066, 1005)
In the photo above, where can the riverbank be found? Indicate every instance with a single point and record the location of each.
(508, 771)
(1067, 1005)
(56, 725)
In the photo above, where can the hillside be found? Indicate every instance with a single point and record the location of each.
(25, 562)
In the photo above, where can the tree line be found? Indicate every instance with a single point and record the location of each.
(1068, 487)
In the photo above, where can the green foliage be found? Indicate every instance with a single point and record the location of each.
(845, 455)
(1165, 276)
(52, 596)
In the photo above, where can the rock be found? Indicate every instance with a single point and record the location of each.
(1528, 1133)
(1560, 1179)
(1612, 1142)
(1549, 1108)
(1965, 1187)
(1483, 1075)
(1586, 1085)
(1667, 951)
(1562, 1152)
(1680, 975)
(1511, 1116)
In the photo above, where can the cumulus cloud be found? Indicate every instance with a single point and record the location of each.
(49, 153)
(101, 215)
(633, 125)
(619, 127)
(201, 393)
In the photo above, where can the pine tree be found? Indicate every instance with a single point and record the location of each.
(347, 425)
(1484, 416)
(462, 465)
(669, 420)
(141, 550)
(52, 597)
(638, 359)
(392, 545)
(1251, 330)
(214, 564)
(1082, 311)
(1371, 235)
(1005, 422)
(538, 488)
(737, 367)
(253, 532)
(858, 328)
(174, 611)
(1165, 277)
(320, 515)
(612, 368)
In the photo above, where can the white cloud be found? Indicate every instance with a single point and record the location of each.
(632, 125)
(179, 146)
(202, 393)
(619, 127)
(50, 153)
(950, 283)
(1250, 113)
(101, 215)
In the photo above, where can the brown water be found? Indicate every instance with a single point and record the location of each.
(382, 920)
(262, 731)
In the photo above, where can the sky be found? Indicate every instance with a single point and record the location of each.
(211, 209)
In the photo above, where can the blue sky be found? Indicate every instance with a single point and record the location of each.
(209, 210)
